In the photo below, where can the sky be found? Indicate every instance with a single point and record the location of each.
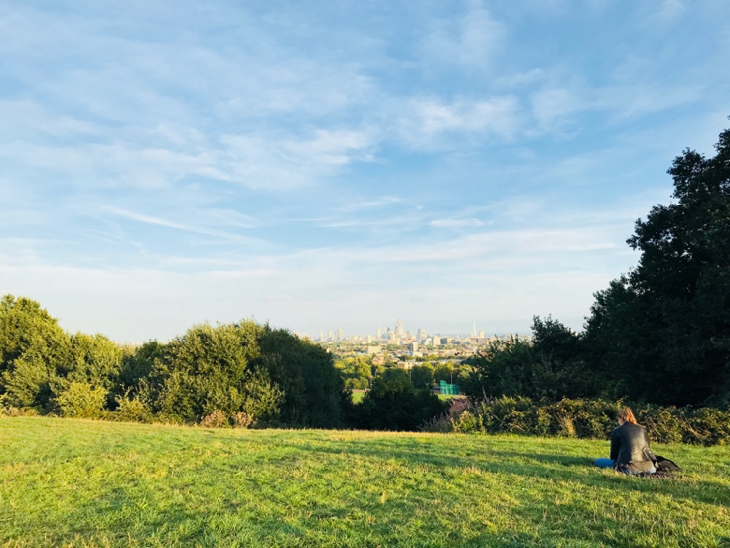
(342, 164)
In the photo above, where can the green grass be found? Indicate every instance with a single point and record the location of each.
(90, 484)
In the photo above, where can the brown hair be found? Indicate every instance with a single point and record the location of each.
(627, 415)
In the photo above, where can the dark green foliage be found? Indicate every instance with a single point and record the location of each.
(662, 333)
(394, 404)
(583, 418)
(550, 366)
(244, 372)
(422, 375)
(268, 375)
(137, 364)
(211, 369)
(305, 373)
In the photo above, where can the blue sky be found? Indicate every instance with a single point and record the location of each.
(341, 164)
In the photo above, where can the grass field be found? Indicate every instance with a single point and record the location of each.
(90, 484)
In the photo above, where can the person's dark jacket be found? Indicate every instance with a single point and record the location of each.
(630, 448)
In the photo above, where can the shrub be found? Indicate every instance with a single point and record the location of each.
(708, 427)
(582, 419)
(394, 404)
(445, 422)
(241, 420)
(132, 410)
(217, 419)
(81, 400)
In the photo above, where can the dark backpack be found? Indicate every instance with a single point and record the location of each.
(665, 465)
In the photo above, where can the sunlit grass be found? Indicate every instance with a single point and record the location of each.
(80, 483)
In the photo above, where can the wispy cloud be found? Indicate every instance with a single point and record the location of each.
(299, 162)
(157, 221)
(432, 124)
(470, 40)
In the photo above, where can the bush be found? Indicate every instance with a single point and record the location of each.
(81, 400)
(582, 419)
(241, 420)
(394, 404)
(445, 422)
(217, 419)
(132, 410)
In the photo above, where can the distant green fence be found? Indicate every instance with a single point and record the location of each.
(449, 389)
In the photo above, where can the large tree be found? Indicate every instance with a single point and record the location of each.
(34, 353)
(662, 332)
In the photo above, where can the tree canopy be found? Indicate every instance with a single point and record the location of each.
(661, 333)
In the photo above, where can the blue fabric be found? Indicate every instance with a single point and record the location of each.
(604, 463)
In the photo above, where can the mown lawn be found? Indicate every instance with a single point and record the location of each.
(79, 483)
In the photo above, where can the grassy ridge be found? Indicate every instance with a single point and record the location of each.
(67, 482)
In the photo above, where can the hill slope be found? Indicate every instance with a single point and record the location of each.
(66, 482)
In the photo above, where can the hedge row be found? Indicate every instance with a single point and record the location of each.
(582, 418)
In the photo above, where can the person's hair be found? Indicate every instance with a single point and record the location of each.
(627, 415)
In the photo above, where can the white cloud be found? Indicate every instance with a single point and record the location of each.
(186, 227)
(274, 163)
(435, 124)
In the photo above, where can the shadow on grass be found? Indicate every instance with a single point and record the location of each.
(532, 465)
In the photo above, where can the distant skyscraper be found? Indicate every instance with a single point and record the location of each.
(340, 336)
(421, 335)
(379, 333)
(399, 329)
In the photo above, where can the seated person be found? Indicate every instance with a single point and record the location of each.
(630, 451)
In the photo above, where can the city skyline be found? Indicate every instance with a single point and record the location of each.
(398, 332)
(342, 164)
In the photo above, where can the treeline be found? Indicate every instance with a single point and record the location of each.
(659, 334)
(240, 374)
(246, 372)
(358, 372)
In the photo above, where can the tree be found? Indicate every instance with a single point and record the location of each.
(504, 369)
(422, 375)
(34, 352)
(214, 369)
(394, 404)
(443, 372)
(662, 332)
(355, 371)
(559, 369)
(311, 385)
